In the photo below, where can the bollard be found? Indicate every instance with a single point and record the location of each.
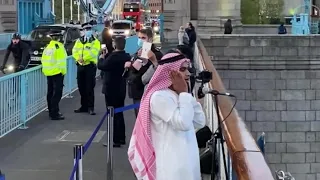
(110, 117)
(78, 154)
(2, 177)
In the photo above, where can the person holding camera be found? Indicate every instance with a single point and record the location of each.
(114, 85)
(138, 66)
(164, 132)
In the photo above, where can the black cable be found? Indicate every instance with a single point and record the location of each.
(234, 105)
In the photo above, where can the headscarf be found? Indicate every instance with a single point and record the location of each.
(141, 152)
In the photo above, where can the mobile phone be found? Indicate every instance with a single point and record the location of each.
(146, 47)
(103, 46)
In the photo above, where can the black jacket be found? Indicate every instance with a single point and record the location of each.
(135, 85)
(192, 36)
(228, 27)
(106, 39)
(113, 67)
(20, 53)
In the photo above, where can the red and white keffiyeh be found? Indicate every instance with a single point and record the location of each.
(141, 152)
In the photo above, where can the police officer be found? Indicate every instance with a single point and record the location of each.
(54, 66)
(85, 52)
(20, 51)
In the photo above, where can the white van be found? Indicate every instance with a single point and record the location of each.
(123, 28)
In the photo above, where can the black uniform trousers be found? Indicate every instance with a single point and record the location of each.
(54, 94)
(119, 128)
(86, 78)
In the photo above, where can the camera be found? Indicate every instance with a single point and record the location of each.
(204, 76)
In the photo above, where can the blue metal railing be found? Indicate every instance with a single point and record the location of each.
(5, 39)
(23, 94)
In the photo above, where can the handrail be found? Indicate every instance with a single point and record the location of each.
(23, 94)
(247, 159)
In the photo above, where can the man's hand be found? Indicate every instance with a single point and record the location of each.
(102, 55)
(179, 85)
(81, 61)
(127, 64)
(139, 52)
(137, 64)
(152, 57)
(1, 68)
(21, 67)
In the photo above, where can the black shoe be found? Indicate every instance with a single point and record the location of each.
(116, 145)
(91, 112)
(58, 117)
(81, 110)
(122, 142)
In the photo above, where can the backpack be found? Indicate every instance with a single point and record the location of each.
(282, 30)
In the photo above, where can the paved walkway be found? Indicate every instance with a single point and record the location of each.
(45, 150)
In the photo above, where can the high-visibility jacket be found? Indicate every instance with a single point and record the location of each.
(54, 59)
(88, 51)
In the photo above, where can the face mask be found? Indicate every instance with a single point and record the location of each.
(81, 33)
(88, 34)
(140, 42)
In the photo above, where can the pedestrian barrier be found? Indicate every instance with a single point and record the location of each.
(2, 177)
(79, 150)
(5, 39)
(23, 94)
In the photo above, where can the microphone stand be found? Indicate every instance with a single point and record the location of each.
(217, 136)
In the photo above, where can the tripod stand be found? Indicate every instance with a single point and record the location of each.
(217, 136)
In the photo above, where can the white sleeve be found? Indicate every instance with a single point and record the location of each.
(199, 120)
(179, 115)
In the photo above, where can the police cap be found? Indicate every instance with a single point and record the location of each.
(87, 25)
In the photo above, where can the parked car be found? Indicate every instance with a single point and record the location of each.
(38, 39)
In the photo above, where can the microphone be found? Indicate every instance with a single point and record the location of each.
(206, 90)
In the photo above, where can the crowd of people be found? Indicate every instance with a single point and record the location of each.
(168, 114)
(163, 145)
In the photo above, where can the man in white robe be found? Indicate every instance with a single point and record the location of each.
(163, 145)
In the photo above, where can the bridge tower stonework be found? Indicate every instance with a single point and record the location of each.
(208, 16)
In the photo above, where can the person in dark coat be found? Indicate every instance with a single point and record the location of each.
(135, 84)
(114, 85)
(106, 36)
(107, 40)
(191, 31)
(228, 27)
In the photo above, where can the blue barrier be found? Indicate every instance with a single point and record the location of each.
(88, 143)
(23, 94)
(2, 177)
(5, 39)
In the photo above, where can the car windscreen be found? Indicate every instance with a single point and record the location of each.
(120, 26)
(42, 34)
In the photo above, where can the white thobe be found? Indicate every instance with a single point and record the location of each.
(173, 121)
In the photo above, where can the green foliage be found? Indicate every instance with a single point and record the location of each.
(250, 11)
(261, 11)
